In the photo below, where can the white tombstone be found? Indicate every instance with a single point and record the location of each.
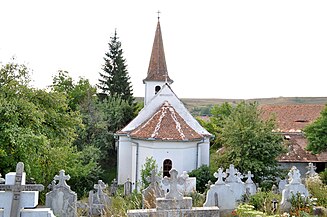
(311, 170)
(15, 195)
(235, 182)
(61, 199)
(294, 187)
(249, 184)
(220, 194)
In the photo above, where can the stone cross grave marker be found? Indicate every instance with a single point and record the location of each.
(17, 188)
(239, 176)
(128, 187)
(153, 178)
(184, 175)
(113, 187)
(62, 179)
(153, 191)
(98, 201)
(61, 199)
(294, 176)
(220, 175)
(173, 181)
(311, 170)
(231, 174)
(249, 177)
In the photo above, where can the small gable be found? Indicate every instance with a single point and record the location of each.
(166, 124)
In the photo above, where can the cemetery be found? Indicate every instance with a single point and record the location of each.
(232, 194)
(107, 154)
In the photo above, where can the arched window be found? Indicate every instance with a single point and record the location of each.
(167, 165)
(157, 89)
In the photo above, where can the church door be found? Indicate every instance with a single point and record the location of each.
(167, 165)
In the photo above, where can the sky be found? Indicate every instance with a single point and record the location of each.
(239, 49)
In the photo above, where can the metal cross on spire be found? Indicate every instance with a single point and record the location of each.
(158, 12)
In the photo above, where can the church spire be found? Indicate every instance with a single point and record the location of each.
(157, 70)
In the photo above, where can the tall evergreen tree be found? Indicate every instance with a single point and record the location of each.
(115, 80)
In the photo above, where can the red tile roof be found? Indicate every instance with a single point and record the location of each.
(296, 150)
(157, 70)
(292, 118)
(165, 124)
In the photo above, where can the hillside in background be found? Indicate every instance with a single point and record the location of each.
(203, 106)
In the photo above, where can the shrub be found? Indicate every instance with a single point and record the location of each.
(323, 176)
(262, 201)
(318, 190)
(203, 175)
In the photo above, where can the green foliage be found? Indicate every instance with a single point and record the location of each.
(120, 204)
(317, 189)
(216, 122)
(146, 170)
(38, 128)
(115, 80)
(316, 133)
(203, 175)
(262, 201)
(249, 142)
(323, 176)
(246, 210)
(300, 206)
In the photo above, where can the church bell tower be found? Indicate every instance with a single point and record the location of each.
(157, 72)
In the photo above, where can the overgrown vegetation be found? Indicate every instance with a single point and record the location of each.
(316, 133)
(248, 141)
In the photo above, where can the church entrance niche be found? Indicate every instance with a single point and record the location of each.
(157, 89)
(167, 165)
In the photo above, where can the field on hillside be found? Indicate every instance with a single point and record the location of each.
(202, 106)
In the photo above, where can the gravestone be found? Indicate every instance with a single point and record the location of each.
(61, 199)
(311, 170)
(249, 184)
(128, 187)
(2, 180)
(98, 200)
(174, 204)
(220, 194)
(15, 196)
(152, 192)
(234, 181)
(113, 187)
(281, 185)
(295, 186)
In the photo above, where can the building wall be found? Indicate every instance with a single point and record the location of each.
(124, 159)
(300, 166)
(184, 156)
(150, 90)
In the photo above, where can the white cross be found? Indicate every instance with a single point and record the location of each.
(62, 179)
(184, 175)
(23, 196)
(220, 175)
(153, 178)
(173, 181)
(312, 170)
(231, 174)
(249, 176)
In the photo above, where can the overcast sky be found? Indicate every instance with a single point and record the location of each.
(214, 49)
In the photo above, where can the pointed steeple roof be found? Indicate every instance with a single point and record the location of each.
(157, 70)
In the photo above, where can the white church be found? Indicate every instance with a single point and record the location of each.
(164, 129)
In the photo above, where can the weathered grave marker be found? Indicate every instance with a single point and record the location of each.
(128, 187)
(61, 199)
(16, 188)
(152, 192)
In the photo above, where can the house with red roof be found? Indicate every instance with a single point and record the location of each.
(164, 129)
(291, 120)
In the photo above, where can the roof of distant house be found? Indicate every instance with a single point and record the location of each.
(292, 118)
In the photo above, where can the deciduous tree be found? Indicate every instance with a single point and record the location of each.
(316, 133)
